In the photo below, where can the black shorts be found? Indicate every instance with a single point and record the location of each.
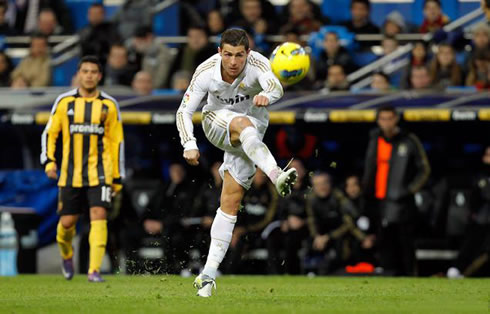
(74, 201)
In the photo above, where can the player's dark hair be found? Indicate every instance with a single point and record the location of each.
(386, 108)
(235, 37)
(365, 2)
(97, 5)
(438, 2)
(90, 59)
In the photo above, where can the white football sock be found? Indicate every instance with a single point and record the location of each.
(221, 232)
(258, 152)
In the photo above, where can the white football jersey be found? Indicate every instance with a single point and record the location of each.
(255, 79)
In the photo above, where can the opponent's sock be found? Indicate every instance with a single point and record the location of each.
(221, 232)
(258, 152)
(97, 239)
(64, 238)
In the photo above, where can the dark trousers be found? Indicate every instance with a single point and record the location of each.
(475, 245)
(397, 249)
(283, 249)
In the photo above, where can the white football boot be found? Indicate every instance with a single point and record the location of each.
(204, 285)
(285, 181)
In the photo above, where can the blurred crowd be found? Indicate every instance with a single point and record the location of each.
(134, 57)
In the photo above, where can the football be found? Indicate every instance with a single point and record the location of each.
(290, 63)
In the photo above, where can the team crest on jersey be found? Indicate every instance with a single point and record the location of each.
(103, 115)
(242, 86)
(402, 150)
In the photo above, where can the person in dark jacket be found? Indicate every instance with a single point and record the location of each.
(196, 51)
(167, 216)
(290, 228)
(97, 37)
(329, 223)
(333, 53)
(473, 258)
(396, 167)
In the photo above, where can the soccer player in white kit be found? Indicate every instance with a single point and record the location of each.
(240, 84)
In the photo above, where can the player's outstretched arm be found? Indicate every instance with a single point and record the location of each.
(183, 118)
(272, 89)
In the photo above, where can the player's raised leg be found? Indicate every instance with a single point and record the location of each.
(243, 132)
(97, 240)
(65, 233)
(221, 233)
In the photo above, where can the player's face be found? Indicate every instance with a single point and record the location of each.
(387, 121)
(233, 59)
(89, 76)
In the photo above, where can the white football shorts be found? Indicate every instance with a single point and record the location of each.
(216, 126)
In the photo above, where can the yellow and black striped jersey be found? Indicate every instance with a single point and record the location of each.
(93, 143)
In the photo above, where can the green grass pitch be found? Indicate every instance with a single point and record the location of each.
(243, 294)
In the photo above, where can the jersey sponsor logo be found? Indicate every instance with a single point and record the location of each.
(233, 101)
(86, 129)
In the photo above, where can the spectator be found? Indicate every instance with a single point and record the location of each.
(362, 232)
(27, 12)
(473, 254)
(336, 79)
(394, 24)
(396, 167)
(181, 80)
(216, 23)
(146, 53)
(133, 14)
(419, 56)
(479, 75)
(333, 53)
(97, 37)
(142, 83)
(444, 70)
(292, 231)
(480, 41)
(252, 18)
(301, 17)
(434, 19)
(360, 23)
(5, 29)
(117, 70)
(389, 44)
(35, 69)
(381, 82)
(6, 68)
(194, 52)
(166, 216)
(485, 6)
(420, 78)
(328, 223)
(259, 208)
(47, 24)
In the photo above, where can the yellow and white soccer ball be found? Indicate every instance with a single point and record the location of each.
(290, 63)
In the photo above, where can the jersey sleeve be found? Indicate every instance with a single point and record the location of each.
(116, 138)
(192, 98)
(50, 135)
(271, 87)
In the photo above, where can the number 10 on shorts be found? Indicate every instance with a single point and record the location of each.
(106, 194)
